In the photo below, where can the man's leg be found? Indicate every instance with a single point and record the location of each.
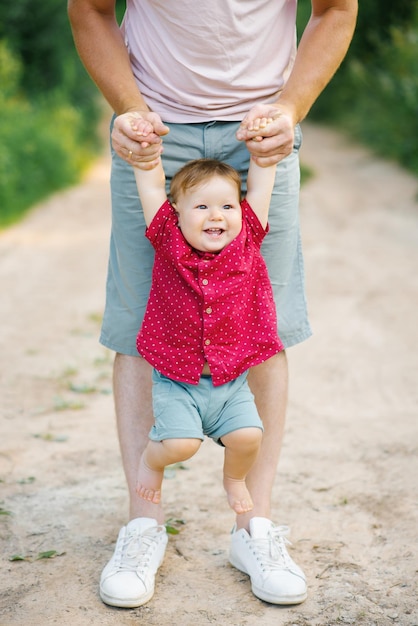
(133, 405)
(258, 547)
(129, 577)
(268, 382)
(127, 580)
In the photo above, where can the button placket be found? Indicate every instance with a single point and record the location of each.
(207, 294)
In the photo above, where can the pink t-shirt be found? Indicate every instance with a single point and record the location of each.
(209, 307)
(197, 61)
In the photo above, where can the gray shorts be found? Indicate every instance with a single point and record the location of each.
(131, 254)
(184, 411)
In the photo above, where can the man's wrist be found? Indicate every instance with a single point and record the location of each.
(139, 110)
(285, 107)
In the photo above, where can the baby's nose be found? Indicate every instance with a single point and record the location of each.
(215, 213)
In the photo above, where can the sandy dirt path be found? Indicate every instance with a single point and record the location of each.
(347, 481)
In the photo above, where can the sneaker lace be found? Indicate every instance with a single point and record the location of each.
(272, 551)
(134, 551)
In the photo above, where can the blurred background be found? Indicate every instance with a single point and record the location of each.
(51, 110)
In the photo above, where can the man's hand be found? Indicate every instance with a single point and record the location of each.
(136, 138)
(270, 143)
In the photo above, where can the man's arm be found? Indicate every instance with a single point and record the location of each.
(322, 47)
(102, 50)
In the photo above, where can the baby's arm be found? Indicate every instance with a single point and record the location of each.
(150, 183)
(260, 181)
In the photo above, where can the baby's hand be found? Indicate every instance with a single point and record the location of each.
(142, 128)
(259, 123)
(268, 131)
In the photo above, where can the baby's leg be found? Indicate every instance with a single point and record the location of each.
(151, 472)
(156, 456)
(241, 449)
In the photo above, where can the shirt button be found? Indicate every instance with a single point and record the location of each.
(207, 342)
(205, 281)
(209, 309)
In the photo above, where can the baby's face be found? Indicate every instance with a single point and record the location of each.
(209, 215)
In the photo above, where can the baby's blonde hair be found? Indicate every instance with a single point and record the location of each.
(198, 171)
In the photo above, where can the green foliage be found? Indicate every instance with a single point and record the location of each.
(172, 525)
(40, 153)
(376, 18)
(374, 95)
(48, 554)
(4, 511)
(120, 10)
(386, 114)
(38, 33)
(49, 106)
(10, 72)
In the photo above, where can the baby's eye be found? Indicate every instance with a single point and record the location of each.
(227, 206)
(201, 206)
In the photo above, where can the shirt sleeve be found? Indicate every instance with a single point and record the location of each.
(164, 220)
(253, 223)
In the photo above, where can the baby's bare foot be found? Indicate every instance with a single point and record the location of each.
(149, 483)
(152, 495)
(239, 498)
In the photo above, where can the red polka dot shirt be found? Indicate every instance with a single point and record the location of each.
(209, 307)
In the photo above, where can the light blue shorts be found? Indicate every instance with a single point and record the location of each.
(131, 254)
(184, 411)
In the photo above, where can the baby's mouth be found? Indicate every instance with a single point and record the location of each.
(214, 231)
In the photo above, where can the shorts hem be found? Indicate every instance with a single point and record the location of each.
(217, 436)
(172, 435)
(115, 348)
(298, 337)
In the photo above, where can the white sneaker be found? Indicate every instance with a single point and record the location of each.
(262, 554)
(128, 579)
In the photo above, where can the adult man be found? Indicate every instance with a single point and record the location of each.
(194, 69)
